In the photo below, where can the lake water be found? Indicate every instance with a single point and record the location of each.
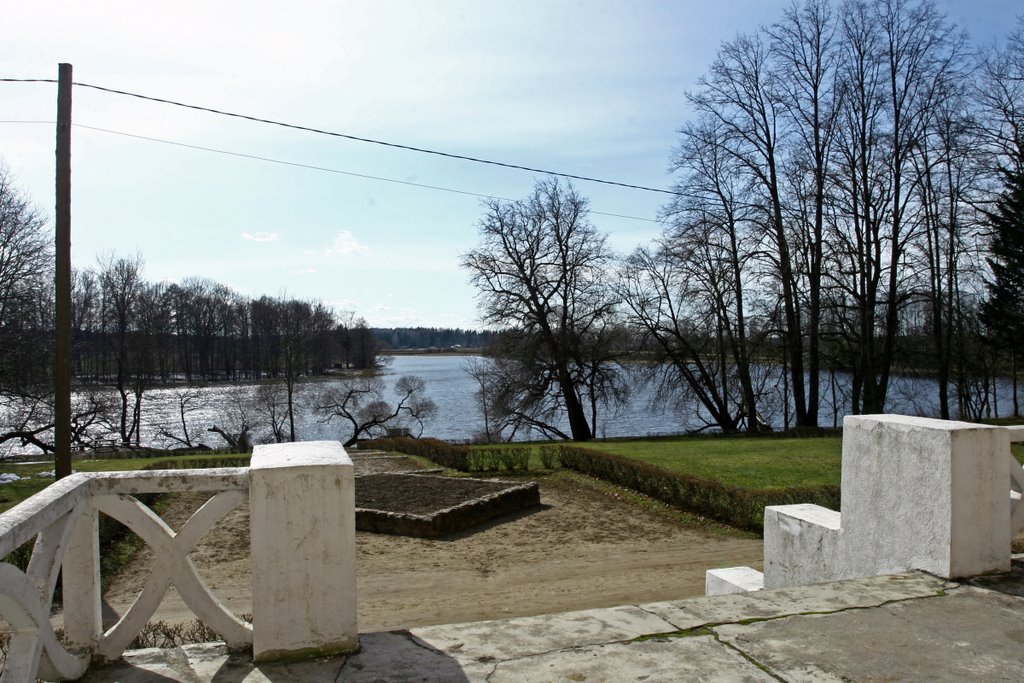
(459, 417)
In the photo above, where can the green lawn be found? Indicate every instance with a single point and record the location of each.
(13, 493)
(749, 462)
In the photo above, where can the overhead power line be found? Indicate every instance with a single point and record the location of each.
(312, 167)
(346, 136)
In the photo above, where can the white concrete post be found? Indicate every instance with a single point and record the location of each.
(302, 507)
(920, 493)
(80, 578)
(917, 493)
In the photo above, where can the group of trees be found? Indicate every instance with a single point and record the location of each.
(848, 200)
(136, 334)
(431, 337)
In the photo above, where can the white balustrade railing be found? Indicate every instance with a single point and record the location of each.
(63, 520)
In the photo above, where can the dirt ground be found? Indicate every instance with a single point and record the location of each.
(584, 547)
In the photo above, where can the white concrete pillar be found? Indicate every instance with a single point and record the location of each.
(920, 493)
(302, 507)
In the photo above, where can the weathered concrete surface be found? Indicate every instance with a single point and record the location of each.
(665, 660)
(303, 539)
(826, 597)
(925, 494)
(528, 636)
(909, 627)
(969, 635)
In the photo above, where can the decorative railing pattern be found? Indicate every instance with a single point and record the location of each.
(302, 519)
(63, 519)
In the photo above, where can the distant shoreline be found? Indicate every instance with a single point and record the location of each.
(462, 351)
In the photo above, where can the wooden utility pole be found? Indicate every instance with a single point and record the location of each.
(62, 362)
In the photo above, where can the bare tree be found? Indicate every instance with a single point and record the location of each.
(359, 403)
(26, 267)
(272, 400)
(187, 402)
(495, 420)
(239, 418)
(898, 63)
(747, 99)
(540, 270)
(29, 419)
(952, 174)
(690, 295)
(295, 317)
(517, 396)
(805, 55)
(999, 93)
(122, 287)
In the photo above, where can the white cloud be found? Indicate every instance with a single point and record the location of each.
(303, 271)
(261, 236)
(346, 244)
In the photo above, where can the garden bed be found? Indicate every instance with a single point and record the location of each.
(429, 506)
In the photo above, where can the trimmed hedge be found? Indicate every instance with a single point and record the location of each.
(445, 454)
(509, 458)
(456, 456)
(732, 505)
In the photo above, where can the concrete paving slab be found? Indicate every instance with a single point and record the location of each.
(511, 638)
(779, 602)
(151, 664)
(970, 634)
(908, 627)
(400, 657)
(665, 660)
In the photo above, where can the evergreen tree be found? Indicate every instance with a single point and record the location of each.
(1003, 313)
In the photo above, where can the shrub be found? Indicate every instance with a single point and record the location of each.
(479, 460)
(738, 507)
(550, 457)
(513, 458)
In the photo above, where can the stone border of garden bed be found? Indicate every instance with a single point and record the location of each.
(513, 498)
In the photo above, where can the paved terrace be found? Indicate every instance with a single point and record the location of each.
(904, 627)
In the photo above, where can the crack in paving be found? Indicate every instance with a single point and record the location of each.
(341, 669)
(687, 632)
(763, 667)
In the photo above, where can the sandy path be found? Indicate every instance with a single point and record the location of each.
(584, 548)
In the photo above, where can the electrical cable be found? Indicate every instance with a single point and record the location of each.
(346, 136)
(312, 167)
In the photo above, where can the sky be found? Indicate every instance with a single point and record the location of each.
(589, 88)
